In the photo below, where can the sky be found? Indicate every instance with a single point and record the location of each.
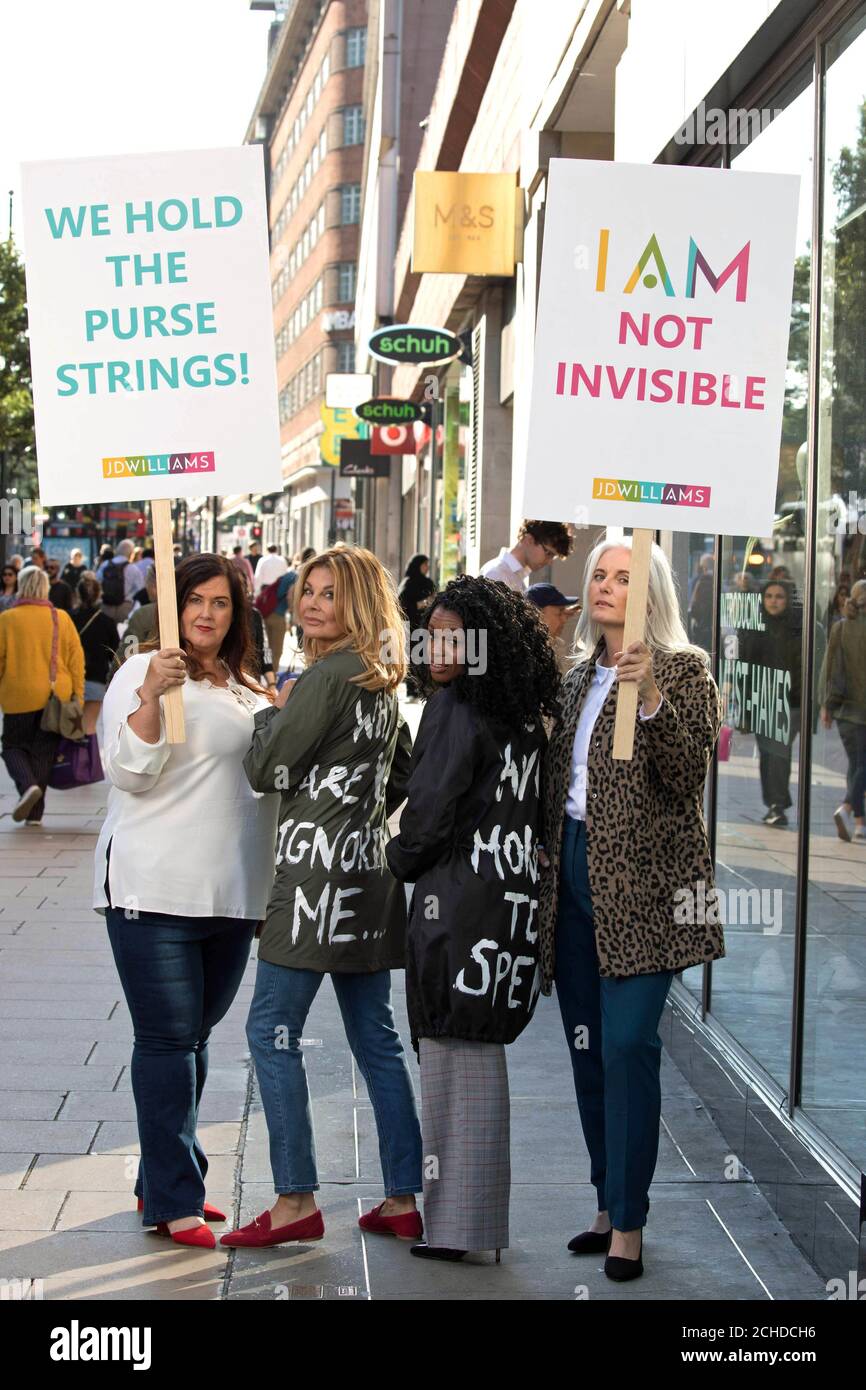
(95, 77)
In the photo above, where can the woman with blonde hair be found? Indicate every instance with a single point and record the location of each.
(339, 756)
(628, 852)
(39, 653)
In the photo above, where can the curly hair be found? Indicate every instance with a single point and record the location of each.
(521, 681)
(552, 533)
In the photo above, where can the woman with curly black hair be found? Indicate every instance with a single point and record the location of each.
(469, 842)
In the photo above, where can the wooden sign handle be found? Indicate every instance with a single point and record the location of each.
(166, 598)
(633, 631)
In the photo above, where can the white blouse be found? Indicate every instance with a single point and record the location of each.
(188, 834)
(593, 702)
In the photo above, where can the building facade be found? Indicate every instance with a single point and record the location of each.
(309, 119)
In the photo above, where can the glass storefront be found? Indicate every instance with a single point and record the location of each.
(790, 839)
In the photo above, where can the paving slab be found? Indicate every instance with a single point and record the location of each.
(45, 1137)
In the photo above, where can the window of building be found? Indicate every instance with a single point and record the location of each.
(345, 357)
(347, 274)
(350, 203)
(353, 125)
(356, 47)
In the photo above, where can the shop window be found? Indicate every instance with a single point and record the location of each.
(833, 1089)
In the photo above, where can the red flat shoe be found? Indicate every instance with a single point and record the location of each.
(201, 1236)
(406, 1227)
(210, 1213)
(260, 1232)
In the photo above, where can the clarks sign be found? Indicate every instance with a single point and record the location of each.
(411, 342)
(467, 224)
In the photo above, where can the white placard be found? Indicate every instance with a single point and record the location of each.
(661, 345)
(151, 329)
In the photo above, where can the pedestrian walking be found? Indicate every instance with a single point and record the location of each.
(121, 581)
(74, 569)
(416, 587)
(778, 649)
(843, 699)
(99, 638)
(40, 655)
(240, 561)
(9, 590)
(183, 870)
(469, 843)
(339, 753)
(628, 850)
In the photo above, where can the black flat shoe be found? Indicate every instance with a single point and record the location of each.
(435, 1252)
(590, 1243)
(621, 1270)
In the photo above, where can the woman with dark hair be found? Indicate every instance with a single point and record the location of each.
(184, 866)
(10, 587)
(469, 842)
(777, 649)
(415, 589)
(100, 640)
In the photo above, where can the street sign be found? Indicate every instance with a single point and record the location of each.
(344, 390)
(412, 342)
(388, 410)
(356, 460)
(392, 439)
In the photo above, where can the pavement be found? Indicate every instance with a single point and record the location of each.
(68, 1140)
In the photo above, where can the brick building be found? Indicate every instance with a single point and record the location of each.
(309, 119)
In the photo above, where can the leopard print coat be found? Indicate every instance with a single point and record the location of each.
(646, 835)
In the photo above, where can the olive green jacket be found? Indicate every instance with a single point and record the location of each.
(340, 757)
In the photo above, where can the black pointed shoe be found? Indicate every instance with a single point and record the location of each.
(435, 1252)
(621, 1270)
(590, 1243)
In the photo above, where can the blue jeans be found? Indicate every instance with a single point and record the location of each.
(281, 1001)
(179, 976)
(616, 1057)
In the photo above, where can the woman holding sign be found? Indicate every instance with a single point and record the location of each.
(469, 842)
(338, 753)
(628, 851)
(184, 865)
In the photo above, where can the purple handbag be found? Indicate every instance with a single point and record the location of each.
(77, 764)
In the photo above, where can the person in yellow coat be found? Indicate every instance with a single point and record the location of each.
(30, 630)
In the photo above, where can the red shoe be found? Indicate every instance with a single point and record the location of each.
(210, 1213)
(201, 1236)
(406, 1227)
(260, 1232)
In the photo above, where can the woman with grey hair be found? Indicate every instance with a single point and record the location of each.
(39, 652)
(627, 849)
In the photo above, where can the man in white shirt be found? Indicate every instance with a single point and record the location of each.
(270, 568)
(538, 544)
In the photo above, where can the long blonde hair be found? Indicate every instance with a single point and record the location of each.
(664, 626)
(366, 608)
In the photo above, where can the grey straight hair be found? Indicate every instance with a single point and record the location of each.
(33, 582)
(664, 626)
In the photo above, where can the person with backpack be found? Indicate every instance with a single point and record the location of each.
(272, 588)
(120, 581)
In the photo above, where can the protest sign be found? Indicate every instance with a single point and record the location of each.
(151, 336)
(151, 330)
(660, 352)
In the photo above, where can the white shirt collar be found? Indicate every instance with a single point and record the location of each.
(511, 562)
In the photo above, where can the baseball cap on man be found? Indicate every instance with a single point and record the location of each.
(548, 596)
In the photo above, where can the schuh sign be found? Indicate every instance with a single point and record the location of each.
(410, 342)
